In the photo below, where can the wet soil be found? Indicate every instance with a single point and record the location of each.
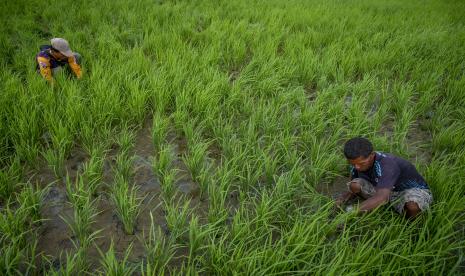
(55, 236)
(418, 139)
(334, 188)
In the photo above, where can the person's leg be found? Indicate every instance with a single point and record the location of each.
(362, 187)
(411, 209)
(412, 202)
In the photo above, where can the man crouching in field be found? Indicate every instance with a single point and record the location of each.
(53, 58)
(380, 178)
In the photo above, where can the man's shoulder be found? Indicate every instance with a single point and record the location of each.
(384, 161)
(43, 54)
(386, 157)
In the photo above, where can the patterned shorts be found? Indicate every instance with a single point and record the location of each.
(422, 197)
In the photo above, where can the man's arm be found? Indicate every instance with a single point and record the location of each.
(44, 68)
(379, 198)
(76, 68)
(347, 195)
(343, 198)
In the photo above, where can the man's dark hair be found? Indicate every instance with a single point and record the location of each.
(357, 147)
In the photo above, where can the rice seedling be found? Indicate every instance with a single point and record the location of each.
(159, 130)
(127, 203)
(112, 265)
(124, 165)
(93, 171)
(32, 196)
(125, 140)
(159, 250)
(204, 179)
(84, 215)
(196, 160)
(177, 216)
(17, 236)
(167, 184)
(9, 179)
(74, 263)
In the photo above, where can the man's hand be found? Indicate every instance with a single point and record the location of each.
(379, 198)
(343, 198)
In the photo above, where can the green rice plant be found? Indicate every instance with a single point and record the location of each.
(192, 131)
(125, 140)
(84, 212)
(95, 136)
(270, 166)
(177, 215)
(9, 178)
(93, 171)
(124, 165)
(162, 165)
(28, 128)
(61, 143)
(159, 249)
(127, 203)
(76, 191)
(12, 255)
(18, 238)
(401, 130)
(55, 158)
(17, 257)
(74, 263)
(167, 184)
(196, 159)
(81, 223)
(449, 139)
(197, 238)
(217, 211)
(137, 99)
(32, 197)
(204, 178)
(111, 265)
(160, 127)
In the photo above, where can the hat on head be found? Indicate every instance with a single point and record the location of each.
(62, 46)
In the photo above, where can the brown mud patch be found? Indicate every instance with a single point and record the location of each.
(310, 91)
(418, 139)
(333, 188)
(55, 236)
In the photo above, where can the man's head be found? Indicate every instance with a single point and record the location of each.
(359, 152)
(60, 48)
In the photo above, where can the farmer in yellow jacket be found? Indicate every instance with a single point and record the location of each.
(52, 58)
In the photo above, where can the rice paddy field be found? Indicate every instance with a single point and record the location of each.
(205, 137)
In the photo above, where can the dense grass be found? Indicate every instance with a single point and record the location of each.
(262, 94)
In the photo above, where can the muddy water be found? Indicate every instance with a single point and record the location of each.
(56, 239)
(334, 188)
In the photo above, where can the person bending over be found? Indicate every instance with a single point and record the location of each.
(380, 178)
(52, 58)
